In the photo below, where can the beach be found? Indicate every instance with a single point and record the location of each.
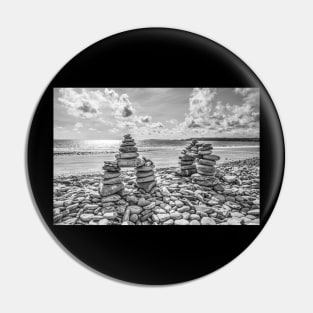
(72, 157)
(176, 200)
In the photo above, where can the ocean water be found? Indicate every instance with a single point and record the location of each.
(83, 156)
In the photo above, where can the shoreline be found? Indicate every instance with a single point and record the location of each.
(175, 200)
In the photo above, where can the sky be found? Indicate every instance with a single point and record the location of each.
(155, 113)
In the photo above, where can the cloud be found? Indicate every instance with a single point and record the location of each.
(121, 105)
(85, 104)
(156, 125)
(91, 129)
(172, 121)
(242, 91)
(77, 126)
(208, 114)
(88, 103)
(145, 119)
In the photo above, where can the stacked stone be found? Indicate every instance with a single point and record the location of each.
(112, 181)
(128, 155)
(145, 178)
(187, 166)
(206, 166)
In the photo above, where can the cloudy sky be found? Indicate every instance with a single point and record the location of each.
(165, 113)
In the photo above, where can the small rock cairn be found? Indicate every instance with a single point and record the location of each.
(206, 166)
(128, 155)
(187, 166)
(112, 181)
(145, 178)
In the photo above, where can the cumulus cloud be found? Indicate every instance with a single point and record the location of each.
(207, 112)
(119, 103)
(144, 119)
(77, 126)
(91, 129)
(242, 91)
(85, 104)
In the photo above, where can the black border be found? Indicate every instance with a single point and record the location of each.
(154, 57)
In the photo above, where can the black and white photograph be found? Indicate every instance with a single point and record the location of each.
(156, 156)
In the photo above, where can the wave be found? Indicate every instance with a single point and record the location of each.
(71, 151)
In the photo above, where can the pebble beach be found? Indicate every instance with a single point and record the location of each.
(175, 200)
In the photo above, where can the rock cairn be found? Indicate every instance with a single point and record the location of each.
(187, 166)
(206, 166)
(145, 177)
(128, 155)
(112, 181)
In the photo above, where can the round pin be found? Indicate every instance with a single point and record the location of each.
(155, 127)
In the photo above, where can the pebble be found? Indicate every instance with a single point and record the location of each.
(169, 222)
(86, 217)
(143, 202)
(207, 221)
(134, 218)
(176, 216)
(254, 212)
(183, 209)
(110, 215)
(149, 206)
(194, 222)
(164, 217)
(179, 203)
(134, 209)
(112, 198)
(181, 222)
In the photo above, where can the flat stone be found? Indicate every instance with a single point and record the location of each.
(112, 181)
(58, 204)
(179, 203)
(107, 190)
(194, 217)
(206, 162)
(145, 174)
(148, 186)
(149, 206)
(146, 179)
(169, 222)
(229, 178)
(194, 222)
(143, 202)
(86, 217)
(110, 215)
(113, 198)
(109, 175)
(163, 217)
(181, 222)
(207, 221)
(176, 216)
(103, 221)
(129, 162)
(183, 209)
(233, 205)
(254, 212)
(135, 209)
(211, 157)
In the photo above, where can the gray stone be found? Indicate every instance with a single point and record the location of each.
(181, 222)
(207, 221)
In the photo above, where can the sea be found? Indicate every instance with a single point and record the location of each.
(85, 156)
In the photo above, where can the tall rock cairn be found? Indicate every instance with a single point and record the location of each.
(128, 155)
(145, 178)
(112, 181)
(187, 166)
(206, 166)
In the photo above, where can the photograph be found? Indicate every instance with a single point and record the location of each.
(156, 156)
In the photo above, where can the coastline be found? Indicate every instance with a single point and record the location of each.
(175, 200)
